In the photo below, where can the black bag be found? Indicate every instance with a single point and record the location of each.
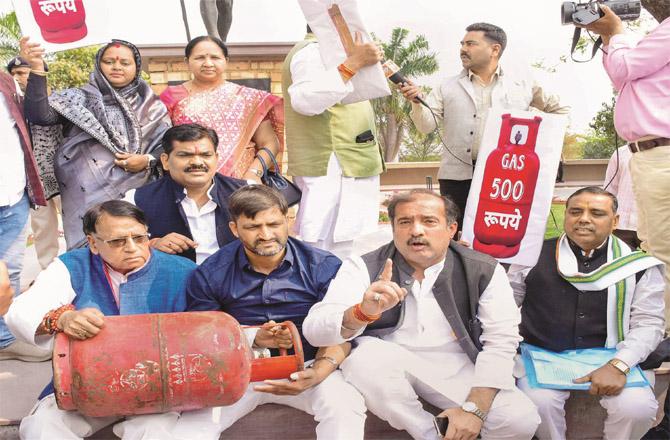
(274, 179)
(658, 356)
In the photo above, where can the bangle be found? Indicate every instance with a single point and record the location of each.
(50, 321)
(346, 71)
(39, 72)
(326, 358)
(364, 317)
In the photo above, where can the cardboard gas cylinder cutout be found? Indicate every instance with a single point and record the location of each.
(508, 187)
(60, 21)
(513, 184)
(59, 25)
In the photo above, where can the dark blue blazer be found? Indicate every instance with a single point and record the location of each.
(161, 203)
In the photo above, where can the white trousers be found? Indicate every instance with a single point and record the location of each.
(629, 415)
(44, 223)
(336, 406)
(335, 209)
(381, 372)
(46, 422)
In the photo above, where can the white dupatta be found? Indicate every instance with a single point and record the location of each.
(617, 276)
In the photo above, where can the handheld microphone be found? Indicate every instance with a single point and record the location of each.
(393, 74)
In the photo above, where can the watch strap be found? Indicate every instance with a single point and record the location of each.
(619, 365)
(475, 411)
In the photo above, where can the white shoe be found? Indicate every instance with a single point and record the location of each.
(25, 352)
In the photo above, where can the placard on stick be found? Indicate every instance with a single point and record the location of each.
(64, 24)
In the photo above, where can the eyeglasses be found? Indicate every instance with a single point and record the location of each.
(116, 243)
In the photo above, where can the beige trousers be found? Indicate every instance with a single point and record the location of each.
(44, 223)
(650, 171)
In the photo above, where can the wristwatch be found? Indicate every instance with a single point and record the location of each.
(151, 161)
(472, 408)
(619, 365)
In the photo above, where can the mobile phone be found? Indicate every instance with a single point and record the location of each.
(366, 136)
(441, 425)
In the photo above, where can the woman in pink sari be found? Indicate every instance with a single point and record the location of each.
(245, 119)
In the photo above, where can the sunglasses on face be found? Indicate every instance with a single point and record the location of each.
(116, 243)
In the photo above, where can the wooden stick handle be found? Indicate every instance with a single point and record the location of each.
(342, 28)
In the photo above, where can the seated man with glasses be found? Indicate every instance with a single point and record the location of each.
(118, 274)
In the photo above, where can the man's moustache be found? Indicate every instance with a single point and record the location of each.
(191, 169)
(266, 241)
(412, 241)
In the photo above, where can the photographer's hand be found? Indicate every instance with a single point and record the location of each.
(607, 26)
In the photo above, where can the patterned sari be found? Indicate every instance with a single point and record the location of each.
(234, 112)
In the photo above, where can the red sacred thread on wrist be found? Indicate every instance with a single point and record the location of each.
(345, 71)
(364, 317)
(50, 320)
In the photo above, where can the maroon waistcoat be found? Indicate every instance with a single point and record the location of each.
(34, 184)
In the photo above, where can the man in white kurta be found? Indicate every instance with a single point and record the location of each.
(118, 274)
(332, 151)
(431, 348)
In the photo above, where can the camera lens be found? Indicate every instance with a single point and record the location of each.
(567, 9)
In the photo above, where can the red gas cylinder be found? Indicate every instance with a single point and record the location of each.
(508, 188)
(153, 363)
(60, 21)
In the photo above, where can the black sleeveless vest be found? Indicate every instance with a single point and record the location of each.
(557, 316)
(465, 275)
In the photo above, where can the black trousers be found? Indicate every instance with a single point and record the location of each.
(457, 191)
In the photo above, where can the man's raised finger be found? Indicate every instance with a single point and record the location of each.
(387, 273)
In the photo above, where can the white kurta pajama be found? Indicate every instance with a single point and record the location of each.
(334, 209)
(422, 357)
(52, 289)
(630, 414)
(337, 407)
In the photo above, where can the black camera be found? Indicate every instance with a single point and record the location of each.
(586, 13)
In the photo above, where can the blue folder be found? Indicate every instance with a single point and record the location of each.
(552, 370)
